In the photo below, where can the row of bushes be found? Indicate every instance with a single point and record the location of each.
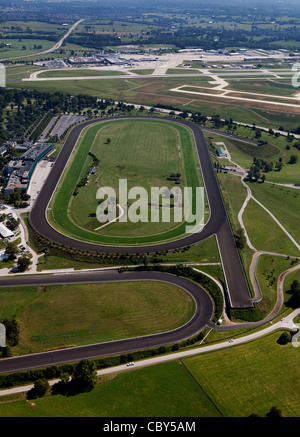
(42, 244)
(35, 135)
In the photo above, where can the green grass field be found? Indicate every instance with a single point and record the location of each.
(283, 202)
(268, 270)
(233, 382)
(250, 378)
(264, 86)
(24, 47)
(68, 315)
(264, 233)
(276, 148)
(146, 91)
(145, 153)
(159, 391)
(234, 195)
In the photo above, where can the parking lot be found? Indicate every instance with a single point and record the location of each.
(65, 122)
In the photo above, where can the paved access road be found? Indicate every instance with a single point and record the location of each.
(218, 223)
(201, 317)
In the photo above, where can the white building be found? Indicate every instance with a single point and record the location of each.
(5, 232)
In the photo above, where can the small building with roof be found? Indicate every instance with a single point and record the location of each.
(5, 232)
(220, 152)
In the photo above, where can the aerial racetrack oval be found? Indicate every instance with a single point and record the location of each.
(125, 156)
(39, 212)
(217, 223)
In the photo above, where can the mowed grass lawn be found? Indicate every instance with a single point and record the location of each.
(263, 86)
(145, 153)
(264, 233)
(268, 270)
(283, 202)
(159, 391)
(233, 382)
(251, 378)
(72, 315)
(234, 195)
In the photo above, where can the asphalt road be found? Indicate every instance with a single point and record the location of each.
(201, 317)
(218, 224)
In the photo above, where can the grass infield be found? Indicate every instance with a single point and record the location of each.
(146, 153)
(73, 315)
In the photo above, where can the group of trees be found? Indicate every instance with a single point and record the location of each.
(23, 261)
(82, 380)
(21, 110)
(259, 167)
(240, 239)
(12, 328)
(207, 37)
(294, 301)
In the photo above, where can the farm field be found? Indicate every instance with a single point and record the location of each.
(24, 47)
(58, 316)
(125, 157)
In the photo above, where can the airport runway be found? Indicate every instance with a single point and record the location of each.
(201, 317)
(218, 224)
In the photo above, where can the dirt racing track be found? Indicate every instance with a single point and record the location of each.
(238, 293)
(218, 223)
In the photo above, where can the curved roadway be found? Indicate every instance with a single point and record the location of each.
(218, 224)
(201, 317)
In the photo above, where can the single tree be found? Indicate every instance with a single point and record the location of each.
(23, 263)
(40, 388)
(84, 376)
(295, 286)
(285, 338)
(274, 412)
